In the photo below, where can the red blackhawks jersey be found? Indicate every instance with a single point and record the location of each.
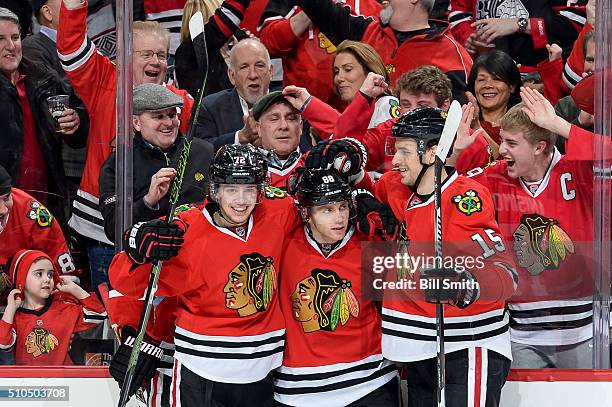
(42, 337)
(31, 226)
(469, 231)
(550, 227)
(229, 327)
(94, 78)
(332, 348)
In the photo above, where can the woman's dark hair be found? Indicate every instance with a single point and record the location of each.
(502, 67)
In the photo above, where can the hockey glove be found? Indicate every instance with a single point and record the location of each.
(153, 240)
(148, 358)
(348, 156)
(374, 217)
(448, 286)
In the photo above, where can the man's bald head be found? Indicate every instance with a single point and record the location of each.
(250, 70)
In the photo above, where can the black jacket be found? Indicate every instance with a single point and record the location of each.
(40, 83)
(220, 117)
(147, 160)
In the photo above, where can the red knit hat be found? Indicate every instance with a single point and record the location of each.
(21, 263)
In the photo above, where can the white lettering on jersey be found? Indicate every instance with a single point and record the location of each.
(567, 195)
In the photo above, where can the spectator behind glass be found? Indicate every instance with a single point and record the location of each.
(352, 63)
(225, 117)
(306, 52)
(157, 143)
(39, 320)
(94, 78)
(30, 147)
(41, 49)
(493, 88)
(190, 70)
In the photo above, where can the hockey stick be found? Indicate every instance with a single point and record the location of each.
(174, 196)
(446, 141)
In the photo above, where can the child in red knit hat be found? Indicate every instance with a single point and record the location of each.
(38, 321)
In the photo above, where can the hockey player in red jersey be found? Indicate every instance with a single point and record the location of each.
(229, 330)
(477, 339)
(544, 204)
(333, 330)
(38, 322)
(26, 224)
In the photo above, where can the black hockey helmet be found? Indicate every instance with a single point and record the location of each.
(239, 164)
(424, 125)
(315, 187)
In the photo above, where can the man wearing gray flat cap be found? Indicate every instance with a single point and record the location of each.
(157, 146)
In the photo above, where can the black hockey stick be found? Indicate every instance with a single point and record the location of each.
(174, 196)
(446, 141)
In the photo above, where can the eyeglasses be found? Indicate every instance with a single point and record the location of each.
(148, 54)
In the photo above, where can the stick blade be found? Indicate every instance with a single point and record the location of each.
(196, 25)
(451, 125)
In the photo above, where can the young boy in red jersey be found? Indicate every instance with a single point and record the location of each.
(544, 205)
(38, 322)
(332, 352)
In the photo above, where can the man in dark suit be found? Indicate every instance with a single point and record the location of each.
(225, 116)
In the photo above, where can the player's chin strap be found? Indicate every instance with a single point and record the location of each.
(424, 168)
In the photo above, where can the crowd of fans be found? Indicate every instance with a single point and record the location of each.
(281, 75)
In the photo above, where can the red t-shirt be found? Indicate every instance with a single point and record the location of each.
(33, 170)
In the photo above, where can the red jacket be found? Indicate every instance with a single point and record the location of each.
(94, 79)
(31, 226)
(308, 59)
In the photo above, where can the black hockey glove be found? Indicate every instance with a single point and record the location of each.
(153, 240)
(348, 156)
(148, 358)
(374, 217)
(448, 286)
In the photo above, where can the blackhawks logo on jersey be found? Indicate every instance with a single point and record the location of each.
(403, 242)
(40, 342)
(541, 244)
(250, 284)
(323, 301)
(40, 214)
(468, 203)
(274, 193)
(394, 108)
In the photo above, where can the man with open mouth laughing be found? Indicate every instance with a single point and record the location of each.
(544, 205)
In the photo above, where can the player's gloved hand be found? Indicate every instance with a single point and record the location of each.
(348, 156)
(153, 240)
(150, 355)
(374, 217)
(448, 286)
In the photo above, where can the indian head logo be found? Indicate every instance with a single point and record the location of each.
(250, 284)
(40, 342)
(541, 244)
(322, 301)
